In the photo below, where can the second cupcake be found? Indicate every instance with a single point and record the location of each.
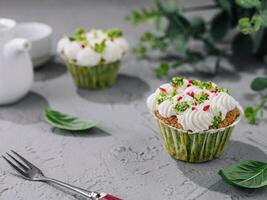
(94, 57)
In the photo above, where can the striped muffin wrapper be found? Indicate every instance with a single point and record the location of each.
(194, 147)
(96, 77)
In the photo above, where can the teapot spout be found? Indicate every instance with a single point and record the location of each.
(17, 45)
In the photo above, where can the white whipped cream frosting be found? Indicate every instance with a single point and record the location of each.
(197, 117)
(114, 50)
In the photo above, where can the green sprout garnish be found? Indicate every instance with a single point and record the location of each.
(79, 36)
(182, 106)
(177, 81)
(217, 120)
(196, 83)
(201, 97)
(207, 85)
(221, 89)
(114, 33)
(100, 47)
(161, 98)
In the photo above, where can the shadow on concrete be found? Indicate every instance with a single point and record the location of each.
(206, 174)
(50, 70)
(28, 110)
(127, 89)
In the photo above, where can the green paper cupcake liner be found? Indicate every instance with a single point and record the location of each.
(195, 147)
(96, 77)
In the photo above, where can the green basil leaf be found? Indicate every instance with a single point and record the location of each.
(67, 122)
(249, 3)
(246, 174)
(220, 25)
(259, 83)
(251, 115)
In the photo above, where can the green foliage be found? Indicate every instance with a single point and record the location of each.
(67, 122)
(242, 45)
(259, 83)
(253, 113)
(248, 26)
(249, 3)
(246, 174)
(162, 70)
(219, 26)
(174, 30)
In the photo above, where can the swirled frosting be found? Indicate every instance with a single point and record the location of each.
(197, 105)
(94, 47)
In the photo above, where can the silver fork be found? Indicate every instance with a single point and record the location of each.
(30, 172)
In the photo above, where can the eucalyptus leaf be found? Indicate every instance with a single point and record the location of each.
(259, 83)
(219, 26)
(242, 45)
(226, 6)
(198, 27)
(249, 3)
(67, 122)
(246, 174)
(251, 115)
(263, 17)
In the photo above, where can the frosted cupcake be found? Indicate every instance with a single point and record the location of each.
(195, 118)
(94, 57)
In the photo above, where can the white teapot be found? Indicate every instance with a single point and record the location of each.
(16, 70)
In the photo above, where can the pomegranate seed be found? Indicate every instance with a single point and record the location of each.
(190, 81)
(206, 107)
(191, 94)
(188, 85)
(162, 89)
(179, 98)
(194, 108)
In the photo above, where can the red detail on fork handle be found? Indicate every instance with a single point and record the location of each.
(109, 197)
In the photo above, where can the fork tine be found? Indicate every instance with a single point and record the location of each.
(18, 162)
(14, 166)
(24, 160)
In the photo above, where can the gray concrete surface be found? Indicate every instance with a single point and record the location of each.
(124, 156)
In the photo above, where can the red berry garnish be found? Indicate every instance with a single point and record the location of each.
(206, 107)
(214, 90)
(191, 94)
(188, 85)
(162, 89)
(190, 81)
(179, 98)
(193, 108)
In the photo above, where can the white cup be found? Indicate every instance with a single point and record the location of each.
(40, 36)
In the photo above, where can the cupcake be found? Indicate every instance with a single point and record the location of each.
(195, 118)
(94, 57)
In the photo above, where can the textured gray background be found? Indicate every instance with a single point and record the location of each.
(125, 155)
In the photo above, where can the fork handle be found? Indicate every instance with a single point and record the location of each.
(89, 194)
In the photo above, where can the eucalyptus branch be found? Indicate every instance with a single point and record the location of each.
(200, 8)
